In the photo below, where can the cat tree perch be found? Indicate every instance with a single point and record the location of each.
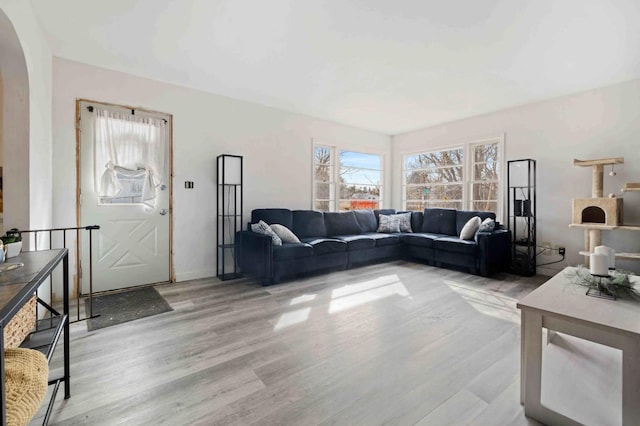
(599, 213)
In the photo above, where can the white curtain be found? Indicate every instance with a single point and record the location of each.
(128, 145)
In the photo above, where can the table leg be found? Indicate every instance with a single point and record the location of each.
(532, 365)
(631, 383)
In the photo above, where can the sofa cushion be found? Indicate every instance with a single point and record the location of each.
(284, 233)
(289, 251)
(271, 216)
(367, 220)
(389, 223)
(384, 239)
(326, 245)
(440, 221)
(470, 228)
(262, 228)
(308, 223)
(420, 239)
(463, 216)
(341, 223)
(357, 242)
(456, 245)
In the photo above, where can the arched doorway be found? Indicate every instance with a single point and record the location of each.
(14, 128)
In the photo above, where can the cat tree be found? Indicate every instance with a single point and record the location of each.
(599, 213)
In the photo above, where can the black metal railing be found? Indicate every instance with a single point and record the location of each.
(55, 238)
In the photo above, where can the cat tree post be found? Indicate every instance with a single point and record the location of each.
(596, 213)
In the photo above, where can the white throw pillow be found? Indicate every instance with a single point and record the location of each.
(284, 233)
(469, 229)
(264, 229)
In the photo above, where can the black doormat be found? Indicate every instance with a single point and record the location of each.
(126, 306)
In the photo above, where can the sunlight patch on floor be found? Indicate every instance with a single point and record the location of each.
(291, 318)
(488, 302)
(302, 299)
(353, 295)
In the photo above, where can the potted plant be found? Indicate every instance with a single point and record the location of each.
(12, 242)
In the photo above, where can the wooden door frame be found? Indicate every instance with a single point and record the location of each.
(172, 274)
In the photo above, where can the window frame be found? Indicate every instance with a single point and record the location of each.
(334, 181)
(467, 170)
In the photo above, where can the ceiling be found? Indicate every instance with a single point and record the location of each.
(387, 66)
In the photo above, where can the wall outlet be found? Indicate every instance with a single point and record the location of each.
(546, 248)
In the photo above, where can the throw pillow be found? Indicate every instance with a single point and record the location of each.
(405, 222)
(284, 233)
(470, 228)
(389, 224)
(264, 229)
(487, 225)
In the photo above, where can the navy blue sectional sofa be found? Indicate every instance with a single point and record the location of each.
(340, 240)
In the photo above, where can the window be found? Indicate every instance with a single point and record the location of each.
(434, 179)
(346, 180)
(485, 176)
(440, 178)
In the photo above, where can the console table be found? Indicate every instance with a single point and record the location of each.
(17, 286)
(563, 307)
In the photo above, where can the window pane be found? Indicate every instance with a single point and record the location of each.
(323, 191)
(485, 206)
(359, 160)
(321, 205)
(355, 204)
(447, 204)
(351, 176)
(485, 191)
(415, 206)
(429, 160)
(322, 164)
(486, 153)
(443, 174)
(485, 171)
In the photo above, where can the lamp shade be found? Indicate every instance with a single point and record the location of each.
(230, 169)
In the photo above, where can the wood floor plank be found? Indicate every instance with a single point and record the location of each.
(391, 343)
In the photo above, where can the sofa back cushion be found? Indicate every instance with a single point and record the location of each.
(283, 217)
(308, 223)
(440, 221)
(463, 216)
(367, 220)
(378, 212)
(342, 223)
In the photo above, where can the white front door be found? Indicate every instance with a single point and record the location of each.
(132, 246)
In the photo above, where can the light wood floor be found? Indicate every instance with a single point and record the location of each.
(394, 343)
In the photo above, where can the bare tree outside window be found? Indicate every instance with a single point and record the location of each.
(485, 181)
(434, 179)
(439, 178)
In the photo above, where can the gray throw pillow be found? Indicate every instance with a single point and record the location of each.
(487, 225)
(405, 222)
(389, 224)
(284, 233)
(470, 228)
(264, 229)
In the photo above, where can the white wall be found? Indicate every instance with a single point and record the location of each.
(27, 142)
(276, 146)
(600, 123)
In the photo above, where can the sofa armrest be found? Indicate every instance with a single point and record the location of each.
(255, 255)
(494, 250)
